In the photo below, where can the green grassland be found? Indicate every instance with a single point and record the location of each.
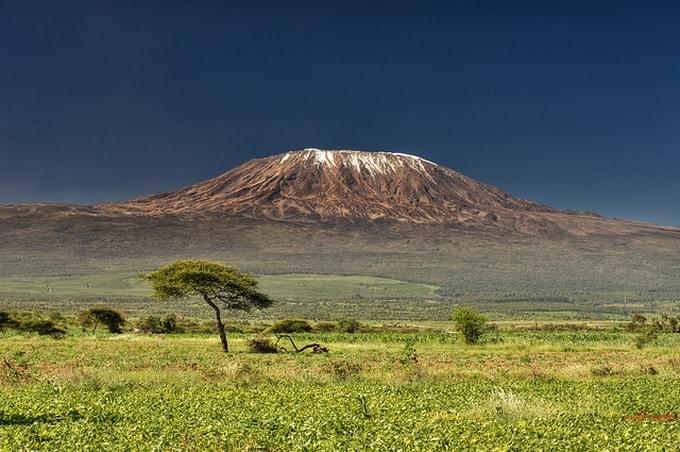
(281, 287)
(559, 276)
(302, 295)
(319, 296)
(521, 390)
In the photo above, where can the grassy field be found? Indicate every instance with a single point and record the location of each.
(576, 390)
(317, 296)
(297, 295)
(281, 287)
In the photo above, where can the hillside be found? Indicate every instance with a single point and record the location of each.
(357, 213)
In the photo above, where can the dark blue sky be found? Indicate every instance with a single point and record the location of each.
(572, 104)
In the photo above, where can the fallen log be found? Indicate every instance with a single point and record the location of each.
(316, 348)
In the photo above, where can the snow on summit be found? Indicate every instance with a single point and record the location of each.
(373, 162)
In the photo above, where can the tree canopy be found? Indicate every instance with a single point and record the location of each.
(216, 283)
(113, 320)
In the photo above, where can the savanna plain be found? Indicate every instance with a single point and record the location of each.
(548, 385)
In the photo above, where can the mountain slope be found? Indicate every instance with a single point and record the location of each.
(344, 186)
(330, 185)
(357, 213)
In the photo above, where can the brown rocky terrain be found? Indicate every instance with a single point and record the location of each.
(321, 186)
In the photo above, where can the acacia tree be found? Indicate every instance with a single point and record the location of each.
(113, 320)
(216, 283)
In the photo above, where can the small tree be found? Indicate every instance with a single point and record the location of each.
(91, 318)
(215, 283)
(470, 323)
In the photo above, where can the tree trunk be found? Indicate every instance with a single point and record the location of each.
(218, 323)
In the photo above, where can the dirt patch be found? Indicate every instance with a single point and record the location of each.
(643, 417)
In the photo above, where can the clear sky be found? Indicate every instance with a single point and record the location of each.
(574, 104)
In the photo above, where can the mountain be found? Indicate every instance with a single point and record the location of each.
(340, 186)
(316, 184)
(359, 213)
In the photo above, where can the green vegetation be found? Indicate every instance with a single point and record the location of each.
(329, 297)
(348, 325)
(383, 385)
(91, 318)
(376, 390)
(217, 284)
(158, 325)
(470, 323)
(262, 344)
(282, 287)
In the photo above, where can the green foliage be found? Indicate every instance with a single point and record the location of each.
(42, 327)
(290, 326)
(113, 320)
(470, 323)
(298, 297)
(408, 352)
(6, 321)
(262, 344)
(325, 327)
(645, 337)
(212, 280)
(147, 393)
(345, 325)
(637, 323)
(158, 325)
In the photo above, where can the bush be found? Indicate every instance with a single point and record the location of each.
(470, 323)
(42, 327)
(348, 325)
(158, 325)
(113, 320)
(290, 326)
(6, 321)
(325, 327)
(645, 337)
(262, 344)
(408, 353)
(637, 323)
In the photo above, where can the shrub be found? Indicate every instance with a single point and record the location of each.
(637, 322)
(408, 353)
(348, 325)
(113, 320)
(158, 325)
(645, 337)
(291, 326)
(6, 321)
(42, 327)
(325, 327)
(470, 323)
(261, 344)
